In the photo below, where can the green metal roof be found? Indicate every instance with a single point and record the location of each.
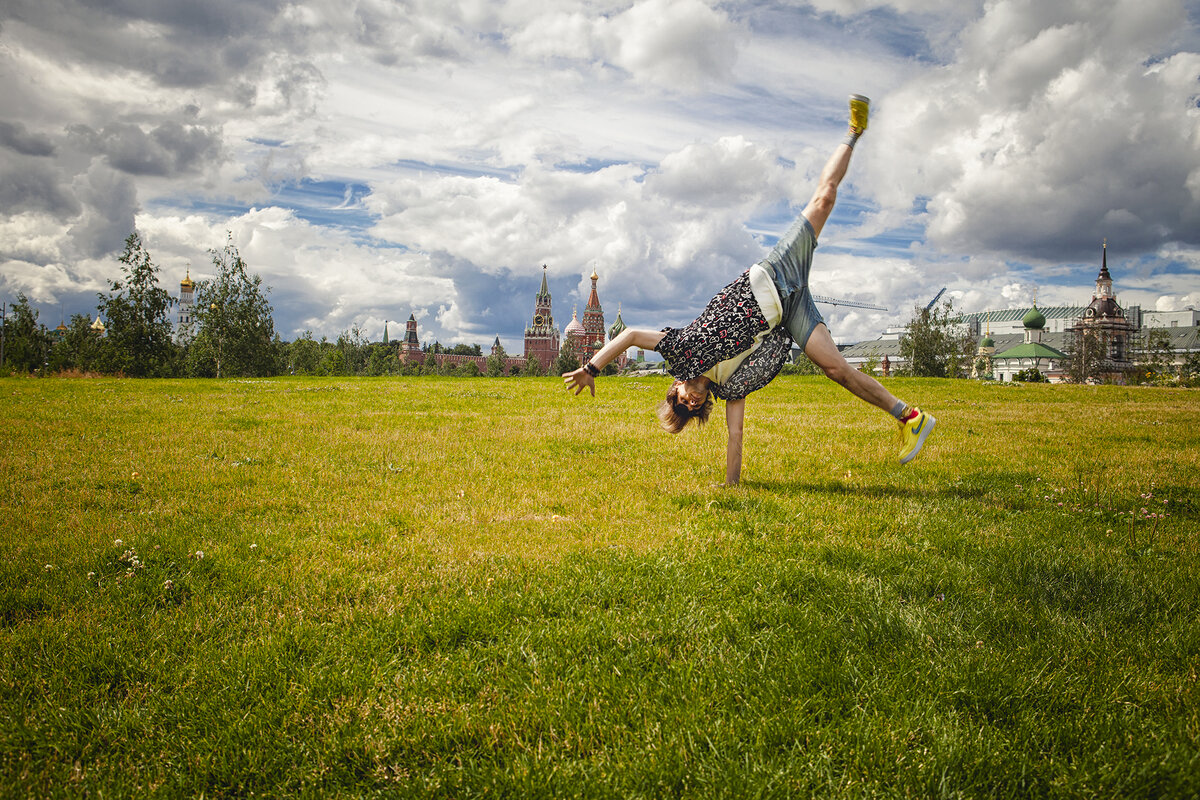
(1032, 350)
(1014, 314)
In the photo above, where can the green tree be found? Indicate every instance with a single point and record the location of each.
(567, 360)
(1189, 373)
(333, 362)
(355, 350)
(410, 368)
(136, 310)
(533, 367)
(870, 363)
(303, 355)
(26, 343)
(1158, 357)
(1087, 348)
(932, 347)
(982, 368)
(234, 325)
(496, 362)
(803, 365)
(381, 360)
(1030, 375)
(79, 348)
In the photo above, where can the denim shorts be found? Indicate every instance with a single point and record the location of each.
(788, 265)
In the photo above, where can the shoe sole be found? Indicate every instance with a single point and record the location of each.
(866, 101)
(930, 424)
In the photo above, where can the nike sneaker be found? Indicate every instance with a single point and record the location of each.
(913, 434)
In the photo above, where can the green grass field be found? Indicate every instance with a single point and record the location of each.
(468, 588)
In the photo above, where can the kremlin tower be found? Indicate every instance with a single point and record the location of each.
(593, 325)
(541, 337)
(410, 347)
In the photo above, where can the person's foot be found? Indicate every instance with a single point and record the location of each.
(860, 107)
(913, 434)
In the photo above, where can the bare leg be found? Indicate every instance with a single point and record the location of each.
(823, 199)
(824, 353)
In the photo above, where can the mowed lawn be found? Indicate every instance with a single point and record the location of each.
(488, 587)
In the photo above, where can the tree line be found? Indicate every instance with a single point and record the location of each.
(232, 334)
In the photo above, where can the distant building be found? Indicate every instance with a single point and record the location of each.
(1012, 320)
(542, 339)
(1032, 353)
(622, 359)
(983, 364)
(1010, 343)
(1188, 318)
(577, 335)
(409, 350)
(541, 336)
(593, 325)
(1105, 319)
(184, 320)
(410, 347)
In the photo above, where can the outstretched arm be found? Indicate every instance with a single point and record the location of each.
(735, 415)
(580, 379)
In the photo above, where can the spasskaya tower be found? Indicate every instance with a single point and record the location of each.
(541, 336)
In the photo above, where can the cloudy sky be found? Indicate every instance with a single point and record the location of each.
(379, 158)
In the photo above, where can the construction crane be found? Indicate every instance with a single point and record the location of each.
(833, 301)
(936, 297)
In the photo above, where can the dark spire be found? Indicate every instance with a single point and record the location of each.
(1104, 275)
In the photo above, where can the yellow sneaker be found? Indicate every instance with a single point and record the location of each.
(913, 435)
(859, 111)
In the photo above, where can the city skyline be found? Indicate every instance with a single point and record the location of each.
(368, 156)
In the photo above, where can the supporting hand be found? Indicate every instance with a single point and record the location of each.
(579, 380)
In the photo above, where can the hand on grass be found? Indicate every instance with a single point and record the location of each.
(579, 380)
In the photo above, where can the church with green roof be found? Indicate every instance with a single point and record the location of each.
(1016, 340)
(1032, 353)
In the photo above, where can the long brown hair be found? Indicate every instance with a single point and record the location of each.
(674, 415)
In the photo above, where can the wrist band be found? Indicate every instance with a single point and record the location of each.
(590, 369)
